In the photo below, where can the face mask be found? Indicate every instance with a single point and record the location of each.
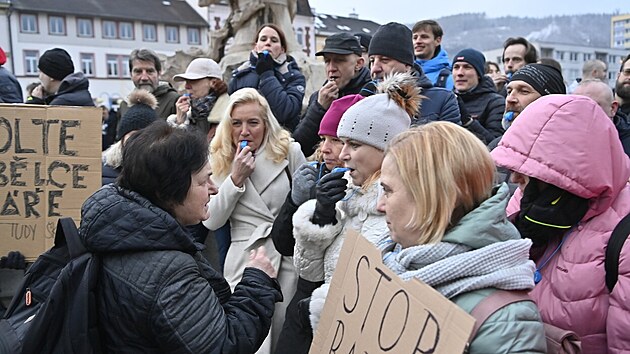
(548, 213)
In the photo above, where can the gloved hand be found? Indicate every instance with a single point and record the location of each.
(465, 116)
(14, 260)
(304, 312)
(304, 180)
(330, 189)
(264, 63)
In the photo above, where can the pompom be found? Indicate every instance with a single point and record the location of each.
(140, 96)
(403, 89)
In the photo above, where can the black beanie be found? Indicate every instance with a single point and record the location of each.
(393, 40)
(141, 112)
(545, 79)
(56, 63)
(472, 57)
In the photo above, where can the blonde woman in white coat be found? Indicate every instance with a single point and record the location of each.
(319, 225)
(253, 160)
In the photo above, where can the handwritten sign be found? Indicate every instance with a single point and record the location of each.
(50, 162)
(369, 309)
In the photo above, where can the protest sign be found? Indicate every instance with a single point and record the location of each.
(369, 309)
(50, 162)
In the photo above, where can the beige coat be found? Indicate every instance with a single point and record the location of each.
(251, 213)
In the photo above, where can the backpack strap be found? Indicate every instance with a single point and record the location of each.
(491, 304)
(67, 234)
(613, 251)
(442, 76)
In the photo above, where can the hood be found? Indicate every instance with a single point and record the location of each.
(437, 63)
(117, 220)
(73, 82)
(567, 141)
(423, 80)
(488, 220)
(486, 85)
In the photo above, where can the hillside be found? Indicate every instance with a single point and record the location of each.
(478, 31)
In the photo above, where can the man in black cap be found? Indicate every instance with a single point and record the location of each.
(56, 74)
(346, 73)
(391, 51)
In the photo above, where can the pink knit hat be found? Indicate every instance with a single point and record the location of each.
(328, 125)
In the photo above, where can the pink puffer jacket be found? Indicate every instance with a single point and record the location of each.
(569, 142)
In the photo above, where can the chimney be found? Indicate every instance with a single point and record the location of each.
(354, 14)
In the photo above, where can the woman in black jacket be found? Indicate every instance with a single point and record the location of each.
(275, 74)
(156, 292)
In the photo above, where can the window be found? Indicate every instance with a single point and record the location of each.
(193, 36)
(172, 34)
(113, 68)
(117, 66)
(28, 23)
(84, 27)
(573, 56)
(560, 55)
(125, 30)
(56, 25)
(109, 29)
(587, 56)
(300, 36)
(87, 64)
(149, 32)
(30, 62)
(124, 60)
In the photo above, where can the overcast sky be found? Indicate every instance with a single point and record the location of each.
(383, 11)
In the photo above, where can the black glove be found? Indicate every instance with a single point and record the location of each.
(465, 116)
(330, 189)
(14, 260)
(304, 313)
(264, 63)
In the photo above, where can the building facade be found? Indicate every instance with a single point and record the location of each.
(620, 31)
(98, 35)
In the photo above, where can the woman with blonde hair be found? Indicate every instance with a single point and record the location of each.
(448, 228)
(253, 159)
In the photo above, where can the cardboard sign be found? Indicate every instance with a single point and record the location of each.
(369, 309)
(50, 162)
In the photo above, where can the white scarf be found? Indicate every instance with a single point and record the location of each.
(453, 269)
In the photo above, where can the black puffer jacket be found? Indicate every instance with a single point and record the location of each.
(486, 108)
(158, 294)
(283, 87)
(307, 132)
(623, 128)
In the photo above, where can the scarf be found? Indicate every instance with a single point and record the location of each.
(200, 108)
(453, 269)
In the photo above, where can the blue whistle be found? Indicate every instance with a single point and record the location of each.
(313, 163)
(243, 144)
(509, 75)
(508, 116)
(265, 52)
(339, 169)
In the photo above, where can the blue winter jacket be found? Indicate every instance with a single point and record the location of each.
(10, 89)
(283, 88)
(432, 67)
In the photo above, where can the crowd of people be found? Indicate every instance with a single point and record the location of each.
(224, 209)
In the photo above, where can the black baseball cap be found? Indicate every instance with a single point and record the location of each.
(341, 43)
(364, 40)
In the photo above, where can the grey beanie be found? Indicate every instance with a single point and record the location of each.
(374, 121)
